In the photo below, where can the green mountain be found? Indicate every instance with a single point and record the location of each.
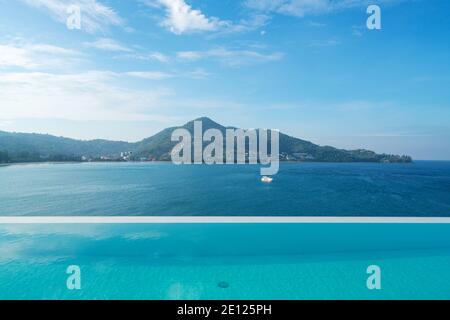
(24, 147)
(160, 145)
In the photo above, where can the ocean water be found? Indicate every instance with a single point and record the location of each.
(300, 189)
(223, 261)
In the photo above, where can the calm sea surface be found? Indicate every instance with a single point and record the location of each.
(225, 261)
(350, 189)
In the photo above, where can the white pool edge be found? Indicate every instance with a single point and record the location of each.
(215, 220)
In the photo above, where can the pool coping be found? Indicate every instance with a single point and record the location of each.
(217, 220)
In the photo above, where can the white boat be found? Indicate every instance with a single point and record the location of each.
(266, 179)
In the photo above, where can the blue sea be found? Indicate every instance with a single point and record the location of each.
(300, 189)
(225, 261)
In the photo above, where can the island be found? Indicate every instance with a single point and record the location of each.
(31, 147)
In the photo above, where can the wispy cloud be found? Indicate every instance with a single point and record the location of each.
(251, 23)
(93, 95)
(107, 44)
(358, 31)
(198, 74)
(97, 96)
(159, 75)
(21, 54)
(182, 18)
(231, 57)
(95, 16)
(298, 8)
(301, 8)
(5, 123)
(150, 75)
(155, 56)
(123, 51)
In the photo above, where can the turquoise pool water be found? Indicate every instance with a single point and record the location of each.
(194, 261)
(225, 261)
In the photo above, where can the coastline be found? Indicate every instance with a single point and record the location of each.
(163, 161)
(37, 162)
(73, 162)
(4, 165)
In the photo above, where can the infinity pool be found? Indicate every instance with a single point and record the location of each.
(225, 261)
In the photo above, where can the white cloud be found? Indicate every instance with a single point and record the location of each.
(291, 7)
(15, 57)
(182, 18)
(198, 74)
(253, 22)
(107, 44)
(157, 56)
(93, 95)
(231, 57)
(5, 123)
(20, 54)
(95, 16)
(150, 75)
(301, 8)
(191, 55)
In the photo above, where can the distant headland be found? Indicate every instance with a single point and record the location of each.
(30, 147)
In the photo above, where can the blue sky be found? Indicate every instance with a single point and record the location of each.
(309, 68)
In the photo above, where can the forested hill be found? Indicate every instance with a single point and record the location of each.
(26, 147)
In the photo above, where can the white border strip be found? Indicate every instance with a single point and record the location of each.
(216, 220)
